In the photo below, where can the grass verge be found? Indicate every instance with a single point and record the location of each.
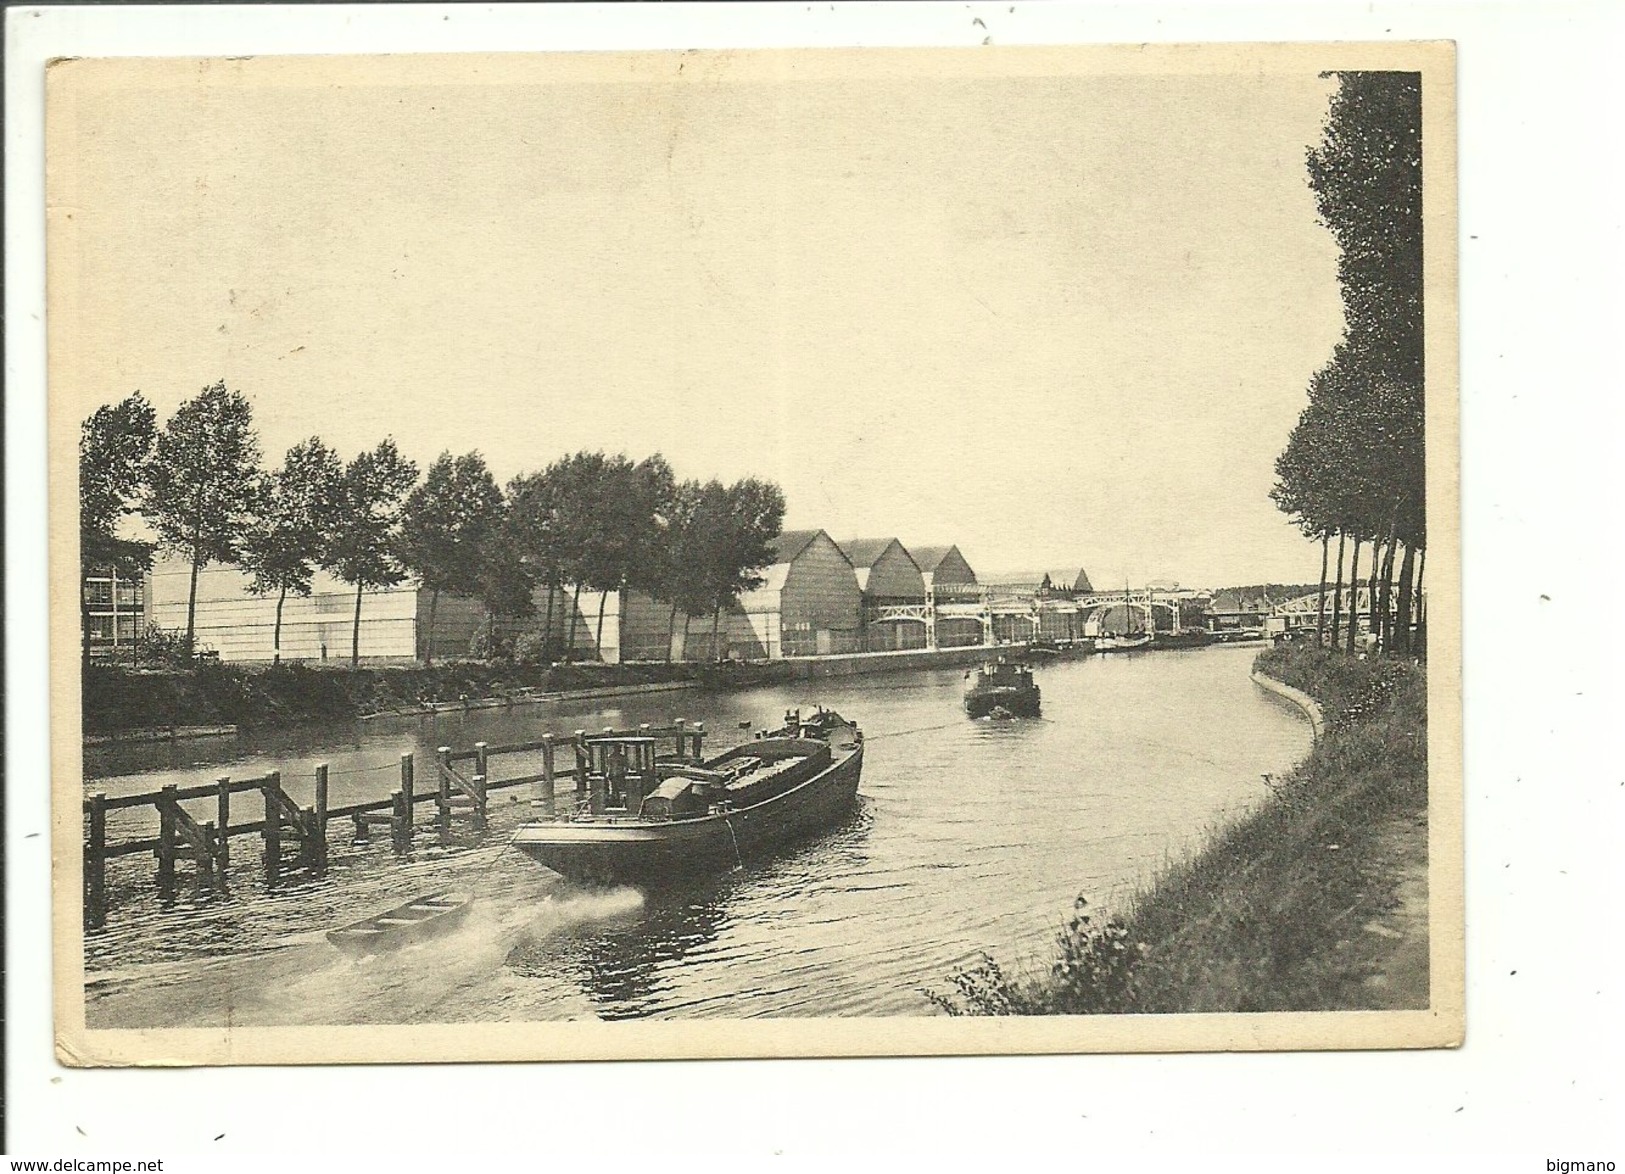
(1289, 908)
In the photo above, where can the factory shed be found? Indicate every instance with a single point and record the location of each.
(809, 604)
(894, 596)
(234, 624)
(949, 579)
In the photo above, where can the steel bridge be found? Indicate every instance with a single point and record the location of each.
(984, 604)
(1303, 610)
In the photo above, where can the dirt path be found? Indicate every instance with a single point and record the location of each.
(1395, 942)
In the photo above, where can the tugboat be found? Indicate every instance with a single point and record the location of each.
(1001, 685)
(647, 819)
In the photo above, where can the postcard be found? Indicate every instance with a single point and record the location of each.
(757, 553)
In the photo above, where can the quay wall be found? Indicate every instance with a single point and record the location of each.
(1310, 707)
(807, 668)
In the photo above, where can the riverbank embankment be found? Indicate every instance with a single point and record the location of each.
(125, 704)
(1317, 900)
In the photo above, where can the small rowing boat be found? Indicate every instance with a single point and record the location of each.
(417, 919)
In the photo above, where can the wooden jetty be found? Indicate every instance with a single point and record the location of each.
(294, 839)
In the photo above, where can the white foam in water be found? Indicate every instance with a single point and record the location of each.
(417, 981)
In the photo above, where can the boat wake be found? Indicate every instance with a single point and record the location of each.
(429, 981)
(451, 977)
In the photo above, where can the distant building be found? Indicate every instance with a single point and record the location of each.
(240, 626)
(114, 612)
(809, 604)
(948, 579)
(894, 595)
(1063, 582)
(1239, 609)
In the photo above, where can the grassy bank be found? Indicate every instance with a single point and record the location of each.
(1297, 906)
(120, 698)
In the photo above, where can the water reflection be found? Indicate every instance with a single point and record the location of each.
(625, 965)
(622, 967)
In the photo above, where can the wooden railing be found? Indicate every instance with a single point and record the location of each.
(207, 845)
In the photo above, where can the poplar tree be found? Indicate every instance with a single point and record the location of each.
(738, 525)
(681, 556)
(203, 484)
(362, 550)
(298, 514)
(448, 529)
(534, 529)
(1355, 464)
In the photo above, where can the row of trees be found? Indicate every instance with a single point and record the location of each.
(588, 521)
(1354, 467)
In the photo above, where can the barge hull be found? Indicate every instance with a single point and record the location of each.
(651, 853)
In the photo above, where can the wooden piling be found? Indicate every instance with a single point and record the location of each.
(318, 858)
(400, 825)
(166, 843)
(482, 776)
(699, 739)
(207, 878)
(548, 797)
(96, 864)
(272, 832)
(443, 797)
(222, 804)
(581, 766)
(409, 789)
(682, 736)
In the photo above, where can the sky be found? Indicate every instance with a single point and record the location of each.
(1061, 318)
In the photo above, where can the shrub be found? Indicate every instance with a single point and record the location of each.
(165, 647)
(532, 648)
(1094, 973)
(490, 645)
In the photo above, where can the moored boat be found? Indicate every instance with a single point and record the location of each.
(1187, 638)
(419, 918)
(1001, 684)
(1124, 643)
(645, 819)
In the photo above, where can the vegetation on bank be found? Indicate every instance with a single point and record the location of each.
(1268, 915)
(119, 698)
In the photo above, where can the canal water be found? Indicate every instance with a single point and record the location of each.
(968, 836)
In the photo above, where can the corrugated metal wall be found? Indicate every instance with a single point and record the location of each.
(958, 633)
(820, 607)
(240, 626)
(647, 628)
(894, 577)
(954, 570)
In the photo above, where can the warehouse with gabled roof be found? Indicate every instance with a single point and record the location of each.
(809, 604)
(894, 599)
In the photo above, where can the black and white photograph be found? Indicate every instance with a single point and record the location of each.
(755, 553)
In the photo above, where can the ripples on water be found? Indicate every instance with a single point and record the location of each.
(968, 836)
